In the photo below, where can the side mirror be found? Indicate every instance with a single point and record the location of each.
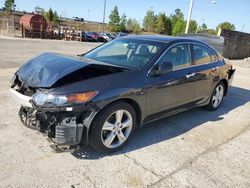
(162, 68)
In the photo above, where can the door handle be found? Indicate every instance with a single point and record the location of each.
(190, 75)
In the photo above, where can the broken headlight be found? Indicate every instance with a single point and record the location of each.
(43, 99)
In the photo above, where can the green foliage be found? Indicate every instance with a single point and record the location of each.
(130, 26)
(211, 32)
(114, 20)
(163, 24)
(136, 26)
(202, 28)
(133, 25)
(178, 23)
(192, 26)
(149, 21)
(39, 10)
(55, 17)
(9, 5)
(123, 22)
(225, 25)
(176, 17)
(117, 23)
(51, 16)
(179, 27)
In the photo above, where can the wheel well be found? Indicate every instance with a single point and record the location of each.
(129, 101)
(224, 81)
(134, 105)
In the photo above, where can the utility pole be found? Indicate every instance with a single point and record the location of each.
(103, 21)
(202, 13)
(88, 13)
(189, 15)
(243, 26)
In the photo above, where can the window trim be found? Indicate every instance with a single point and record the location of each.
(192, 60)
(192, 51)
(190, 55)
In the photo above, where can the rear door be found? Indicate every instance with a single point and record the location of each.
(206, 69)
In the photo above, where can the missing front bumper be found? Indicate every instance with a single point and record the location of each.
(64, 129)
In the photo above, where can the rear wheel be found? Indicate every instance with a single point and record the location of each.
(112, 127)
(217, 97)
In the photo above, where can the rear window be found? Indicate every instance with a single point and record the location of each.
(202, 55)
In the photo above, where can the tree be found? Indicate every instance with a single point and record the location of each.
(192, 26)
(133, 25)
(55, 17)
(49, 15)
(211, 32)
(178, 23)
(202, 28)
(123, 22)
(179, 27)
(114, 20)
(176, 17)
(225, 25)
(39, 10)
(130, 26)
(163, 24)
(136, 26)
(149, 21)
(9, 5)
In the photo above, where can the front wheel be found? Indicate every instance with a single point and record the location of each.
(217, 97)
(112, 127)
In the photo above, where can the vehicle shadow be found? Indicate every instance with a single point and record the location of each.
(173, 126)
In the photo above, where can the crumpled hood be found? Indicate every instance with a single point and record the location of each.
(47, 68)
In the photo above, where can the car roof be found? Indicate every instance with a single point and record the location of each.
(161, 38)
(168, 39)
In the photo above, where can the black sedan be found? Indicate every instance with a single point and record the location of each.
(101, 97)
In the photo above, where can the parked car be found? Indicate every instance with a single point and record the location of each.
(101, 97)
(120, 34)
(112, 36)
(107, 36)
(87, 36)
(94, 37)
(78, 19)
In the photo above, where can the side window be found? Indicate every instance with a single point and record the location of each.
(178, 55)
(202, 55)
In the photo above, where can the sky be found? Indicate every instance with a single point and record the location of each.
(234, 11)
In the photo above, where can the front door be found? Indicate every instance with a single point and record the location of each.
(174, 88)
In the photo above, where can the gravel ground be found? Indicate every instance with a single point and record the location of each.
(192, 149)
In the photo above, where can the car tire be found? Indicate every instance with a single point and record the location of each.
(216, 97)
(112, 127)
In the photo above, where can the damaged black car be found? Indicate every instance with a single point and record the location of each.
(101, 97)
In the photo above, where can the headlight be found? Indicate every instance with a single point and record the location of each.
(42, 99)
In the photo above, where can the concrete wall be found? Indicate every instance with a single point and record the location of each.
(236, 44)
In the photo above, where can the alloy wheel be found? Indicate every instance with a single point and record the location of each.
(218, 96)
(116, 129)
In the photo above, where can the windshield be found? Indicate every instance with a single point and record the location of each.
(130, 53)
